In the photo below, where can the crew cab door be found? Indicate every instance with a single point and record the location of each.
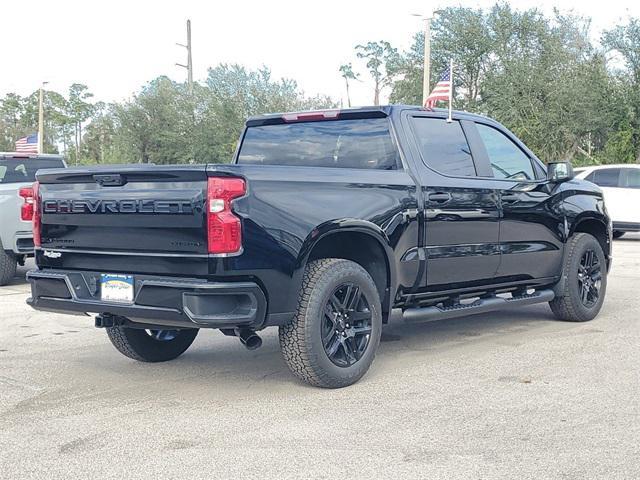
(530, 237)
(461, 214)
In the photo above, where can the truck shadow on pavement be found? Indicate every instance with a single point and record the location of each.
(230, 363)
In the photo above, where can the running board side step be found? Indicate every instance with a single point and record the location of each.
(482, 305)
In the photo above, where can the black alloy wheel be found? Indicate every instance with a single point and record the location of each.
(589, 278)
(332, 340)
(580, 293)
(346, 325)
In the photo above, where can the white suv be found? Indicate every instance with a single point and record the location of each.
(621, 187)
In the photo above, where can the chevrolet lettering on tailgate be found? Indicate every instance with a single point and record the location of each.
(118, 206)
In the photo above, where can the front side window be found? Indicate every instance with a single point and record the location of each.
(362, 143)
(443, 146)
(507, 160)
(606, 177)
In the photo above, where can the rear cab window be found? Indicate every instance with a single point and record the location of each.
(356, 143)
(23, 170)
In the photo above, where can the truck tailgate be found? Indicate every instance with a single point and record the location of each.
(123, 211)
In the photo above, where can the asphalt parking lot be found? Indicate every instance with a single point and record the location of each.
(504, 395)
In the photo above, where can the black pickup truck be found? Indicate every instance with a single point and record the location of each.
(328, 224)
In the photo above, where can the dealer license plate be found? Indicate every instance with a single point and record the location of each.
(116, 288)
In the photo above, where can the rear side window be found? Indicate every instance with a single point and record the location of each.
(630, 178)
(605, 177)
(443, 146)
(362, 143)
(507, 160)
(20, 170)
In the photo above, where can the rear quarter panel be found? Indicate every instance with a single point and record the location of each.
(288, 209)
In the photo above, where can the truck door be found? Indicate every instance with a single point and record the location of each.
(461, 214)
(530, 241)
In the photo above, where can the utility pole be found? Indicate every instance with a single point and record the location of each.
(41, 119)
(427, 59)
(427, 53)
(189, 65)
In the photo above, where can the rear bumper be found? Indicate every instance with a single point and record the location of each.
(165, 301)
(23, 243)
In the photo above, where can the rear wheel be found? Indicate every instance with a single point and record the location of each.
(585, 280)
(151, 345)
(333, 338)
(8, 265)
(617, 233)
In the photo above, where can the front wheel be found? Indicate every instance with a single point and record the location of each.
(585, 280)
(151, 345)
(332, 340)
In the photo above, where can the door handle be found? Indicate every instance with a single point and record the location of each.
(439, 197)
(509, 197)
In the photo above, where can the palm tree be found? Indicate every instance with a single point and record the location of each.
(348, 74)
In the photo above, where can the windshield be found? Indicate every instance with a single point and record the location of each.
(23, 170)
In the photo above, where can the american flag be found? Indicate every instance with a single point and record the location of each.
(28, 144)
(441, 91)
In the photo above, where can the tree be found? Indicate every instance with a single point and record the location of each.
(98, 141)
(546, 82)
(78, 110)
(625, 41)
(155, 123)
(234, 93)
(380, 57)
(538, 75)
(12, 108)
(347, 73)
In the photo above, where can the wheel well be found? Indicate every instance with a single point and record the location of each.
(598, 230)
(361, 248)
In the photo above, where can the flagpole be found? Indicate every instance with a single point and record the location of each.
(450, 90)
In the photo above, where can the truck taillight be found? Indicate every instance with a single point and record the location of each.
(37, 216)
(223, 227)
(26, 211)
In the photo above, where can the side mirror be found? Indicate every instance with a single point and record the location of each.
(559, 172)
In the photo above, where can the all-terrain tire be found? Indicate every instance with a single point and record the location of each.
(8, 265)
(140, 345)
(568, 305)
(301, 339)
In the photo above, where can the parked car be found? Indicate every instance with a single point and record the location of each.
(17, 174)
(327, 224)
(621, 187)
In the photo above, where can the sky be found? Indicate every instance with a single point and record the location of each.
(116, 47)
